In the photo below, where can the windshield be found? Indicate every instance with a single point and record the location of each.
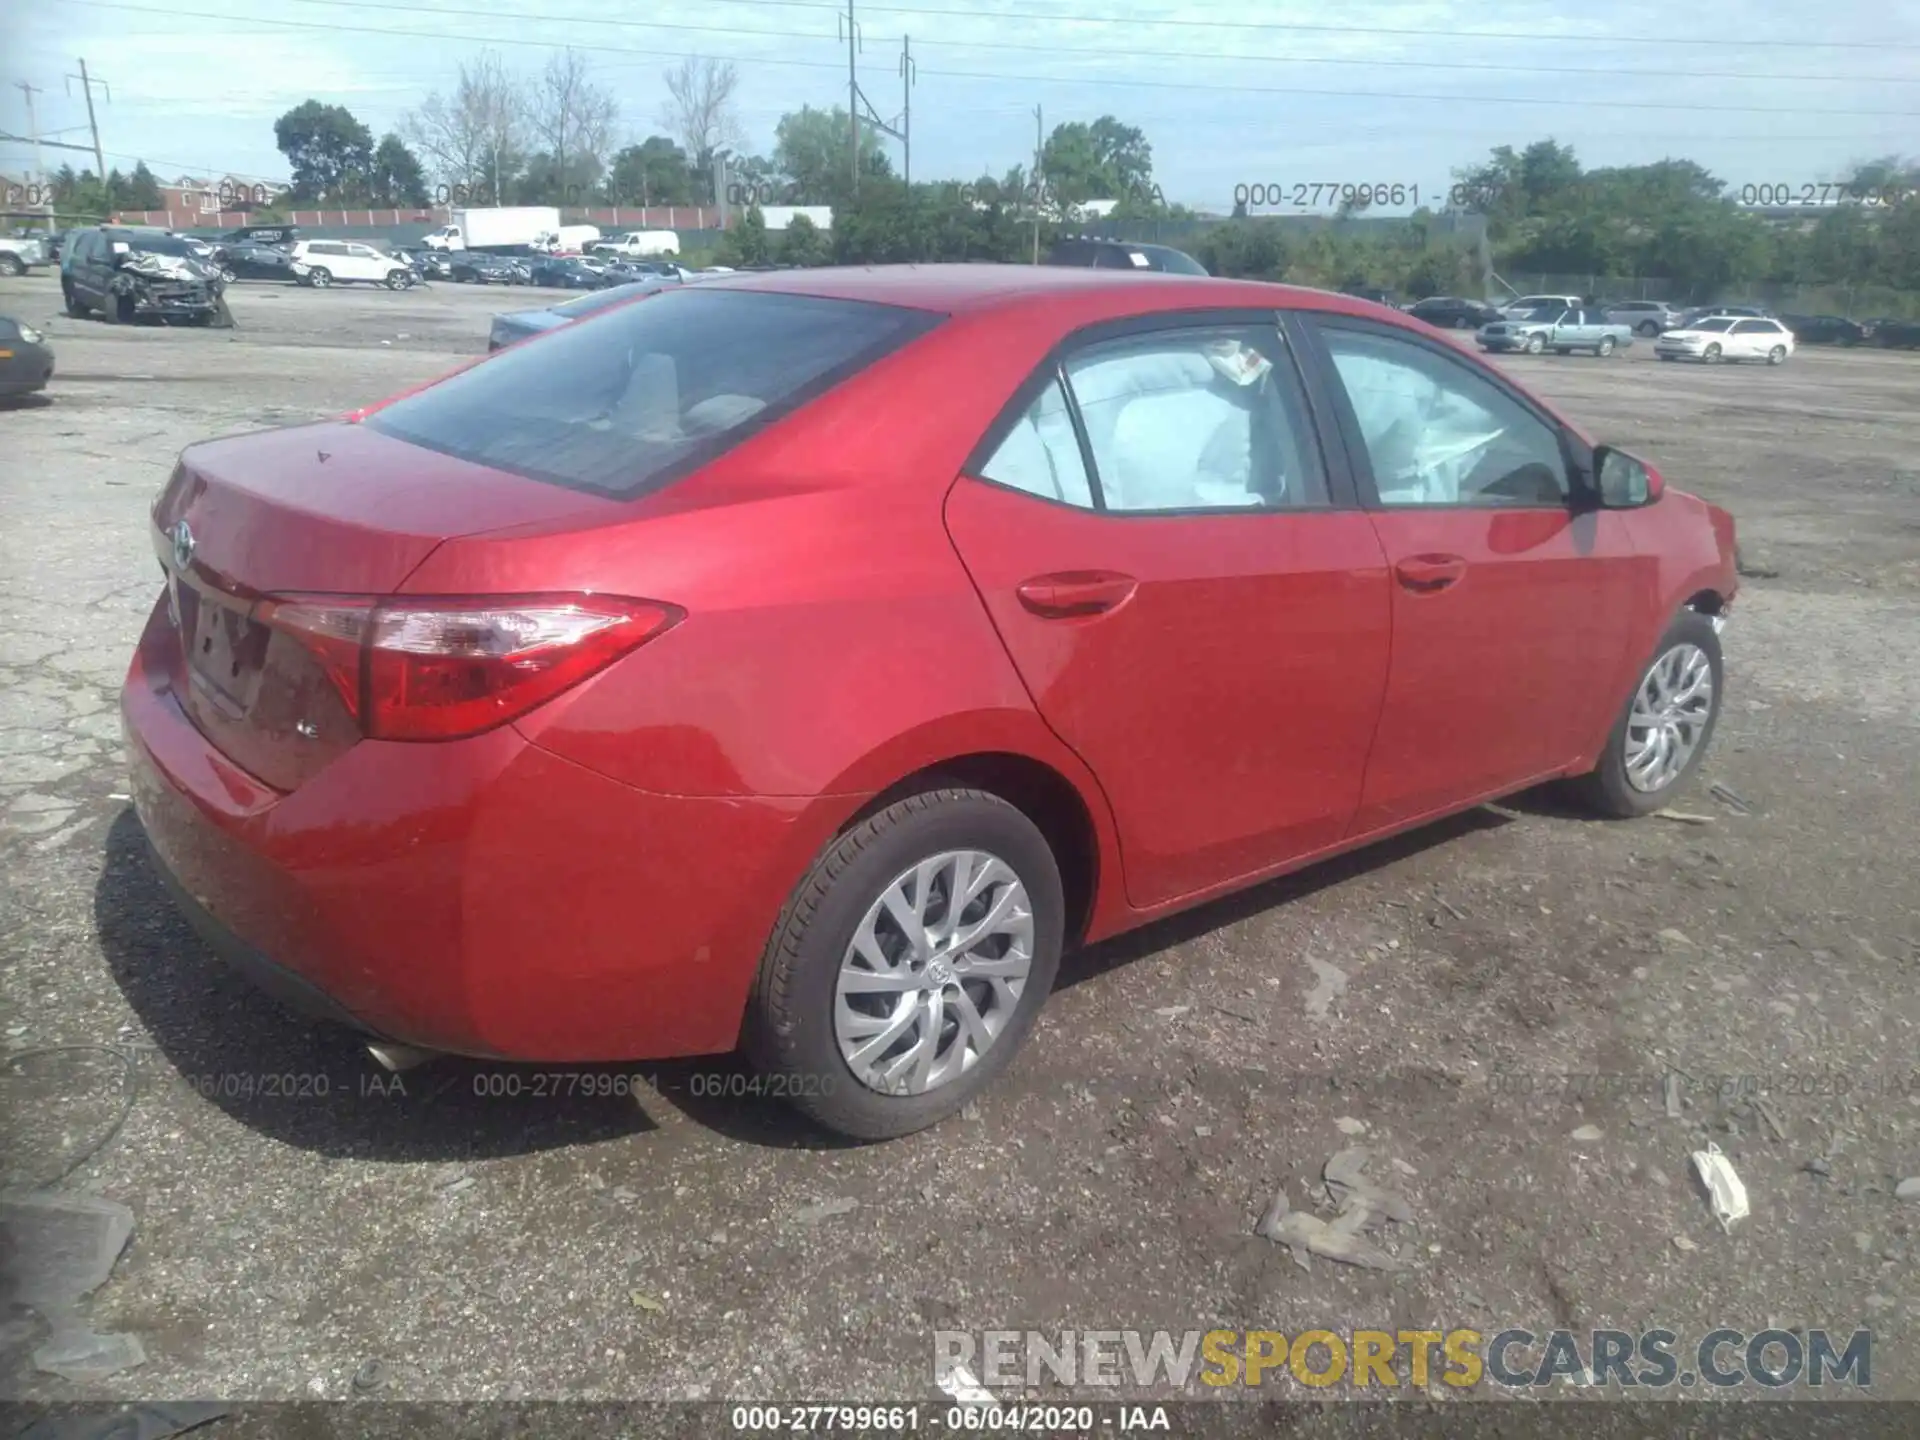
(630, 400)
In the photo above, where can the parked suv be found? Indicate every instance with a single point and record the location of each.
(1647, 317)
(128, 272)
(321, 263)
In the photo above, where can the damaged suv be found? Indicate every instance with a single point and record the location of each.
(127, 273)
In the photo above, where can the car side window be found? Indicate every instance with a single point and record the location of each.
(1195, 419)
(1751, 327)
(1435, 433)
(1041, 454)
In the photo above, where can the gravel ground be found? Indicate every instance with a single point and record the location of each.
(1438, 997)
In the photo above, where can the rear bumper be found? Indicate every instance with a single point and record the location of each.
(483, 897)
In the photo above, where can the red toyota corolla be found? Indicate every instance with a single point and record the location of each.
(799, 662)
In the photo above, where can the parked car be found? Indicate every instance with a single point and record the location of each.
(1647, 317)
(1702, 312)
(427, 264)
(638, 244)
(627, 272)
(1827, 329)
(564, 274)
(1895, 334)
(320, 263)
(1449, 312)
(575, 625)
(477, 267)
(128, 272)
(1123, 255)
(26, 364)
(519, 324)
(1527, 304)
(1727, 337)
(244, 260)
(1562, 331)
(21, 253)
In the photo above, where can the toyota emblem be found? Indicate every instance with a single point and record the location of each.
(182, 546)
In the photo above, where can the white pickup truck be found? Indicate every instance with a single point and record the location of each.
(640, 243)
(19, 253)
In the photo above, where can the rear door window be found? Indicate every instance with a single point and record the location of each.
(631, 399)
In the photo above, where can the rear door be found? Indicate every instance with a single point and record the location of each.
(1188, 589)
(1513, 598)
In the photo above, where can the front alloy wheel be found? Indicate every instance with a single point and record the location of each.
(1666, 725)
(1777, 355)
(1535, 344)
(1669, 718)
(934, 972)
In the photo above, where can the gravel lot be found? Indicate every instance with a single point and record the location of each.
(1431, 996)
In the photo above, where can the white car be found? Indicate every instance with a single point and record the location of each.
(321, 263)
(640, 244)
(1727, 337)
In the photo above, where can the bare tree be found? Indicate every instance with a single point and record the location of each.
(573, 117)
(477, 135)
(699, 112)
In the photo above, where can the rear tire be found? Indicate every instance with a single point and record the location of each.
(1649, 327)
(1610, 787)
(795, 1017)
(319, 277)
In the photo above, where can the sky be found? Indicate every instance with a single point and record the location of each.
(1263, 91)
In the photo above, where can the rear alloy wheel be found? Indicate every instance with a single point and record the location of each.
(1665, 726)
(1536, 344)
(1777, 355)
(1606, 346)
(909, 964)
(1712, 357)
(1649, 327)
(319, 277)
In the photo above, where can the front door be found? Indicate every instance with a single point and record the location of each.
(1512, 599)
(1195, 610)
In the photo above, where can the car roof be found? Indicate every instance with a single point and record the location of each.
(959, 289)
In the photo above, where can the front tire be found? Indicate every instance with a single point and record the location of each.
(398, 279)
(874, 1031)
(1777, 355)
(1605, 347)
(76, 307)
(12, 265)
(1656, 744)
(1536, 344)
(1712, 357)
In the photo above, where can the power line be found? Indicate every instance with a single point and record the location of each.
(1077, 51)
(1584, 103)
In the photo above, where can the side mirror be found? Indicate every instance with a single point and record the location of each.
(1622, 481)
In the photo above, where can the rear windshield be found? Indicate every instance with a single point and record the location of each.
(1174, 262)
(634, 398)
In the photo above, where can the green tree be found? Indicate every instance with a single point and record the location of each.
(396, 177)
(810, 150)
(330, 151)
(143, 190)
(803, 244)
(654, 172)
(1102, 161)
(747, 243)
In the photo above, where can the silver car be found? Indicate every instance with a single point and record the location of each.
(1647, 317)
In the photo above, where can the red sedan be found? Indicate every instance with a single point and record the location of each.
(798, 662)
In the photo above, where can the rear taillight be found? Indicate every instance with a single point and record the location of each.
(443, 667)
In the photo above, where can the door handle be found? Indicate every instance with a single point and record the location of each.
(1429, 572)
(1068, 593)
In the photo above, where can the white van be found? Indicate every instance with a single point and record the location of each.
(638, 243)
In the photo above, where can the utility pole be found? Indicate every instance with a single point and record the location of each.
(907, 73)
(86, 84)
(1038, 146)
(33, 134)
(853, 102)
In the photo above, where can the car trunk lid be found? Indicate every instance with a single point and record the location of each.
(334, 509)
